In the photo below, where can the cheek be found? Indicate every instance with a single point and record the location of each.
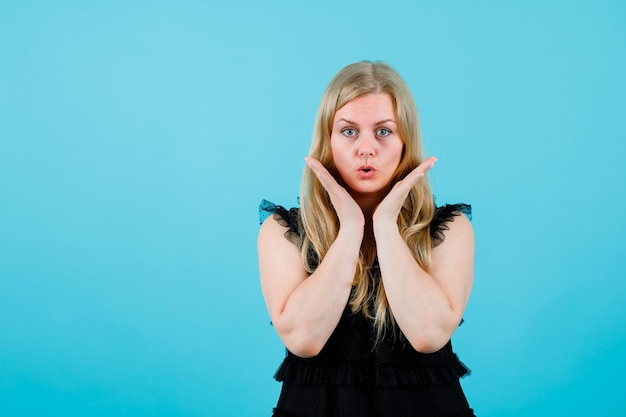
(338, 153)
(395, 153)
(400, 153)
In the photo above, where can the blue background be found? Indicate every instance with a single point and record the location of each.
(138, 137)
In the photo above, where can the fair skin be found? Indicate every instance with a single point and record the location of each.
(427, 306)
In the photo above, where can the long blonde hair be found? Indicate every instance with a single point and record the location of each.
(319, 219)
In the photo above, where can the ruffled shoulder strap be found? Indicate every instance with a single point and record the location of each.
(287, 218)
(443, 215)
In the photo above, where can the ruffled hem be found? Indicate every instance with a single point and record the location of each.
(277, 412)
(467, 413)
(355, 373)
(422, 375)
(348, 373)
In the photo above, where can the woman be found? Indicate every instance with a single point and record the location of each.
(367, 281)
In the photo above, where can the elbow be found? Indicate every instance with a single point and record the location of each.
(428, 345)
(304, 350)
(300, 342)
(304, 347)
(432, 340)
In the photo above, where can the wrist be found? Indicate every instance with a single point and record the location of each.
(351, 231)
(385, 227)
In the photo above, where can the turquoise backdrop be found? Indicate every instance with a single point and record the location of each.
(138, 137)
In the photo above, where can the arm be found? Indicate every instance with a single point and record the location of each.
(305, 309)
(428, 307)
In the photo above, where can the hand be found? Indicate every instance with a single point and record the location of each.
(347, 209)
(389, 209)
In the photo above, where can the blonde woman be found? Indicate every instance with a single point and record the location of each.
(367, 280)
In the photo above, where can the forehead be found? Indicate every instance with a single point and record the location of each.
(370, 106)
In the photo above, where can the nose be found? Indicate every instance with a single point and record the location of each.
(366, 146)
(366, 151)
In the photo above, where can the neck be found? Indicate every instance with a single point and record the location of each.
(368, 205)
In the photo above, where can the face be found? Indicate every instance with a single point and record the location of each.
(366, 146)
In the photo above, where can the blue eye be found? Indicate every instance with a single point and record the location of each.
(348, 131)
(383, 132)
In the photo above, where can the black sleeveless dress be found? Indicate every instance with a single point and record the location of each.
(352, 378)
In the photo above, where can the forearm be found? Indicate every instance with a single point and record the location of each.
(419, 304)
(315, 307)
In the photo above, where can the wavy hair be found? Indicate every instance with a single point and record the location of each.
(319, 219)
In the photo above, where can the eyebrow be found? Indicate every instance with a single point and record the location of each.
(377, 123)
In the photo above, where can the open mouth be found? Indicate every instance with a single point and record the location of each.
(367, 172)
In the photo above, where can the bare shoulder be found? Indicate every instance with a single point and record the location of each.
(457, 245)
(458, 229)
(270, 227)
(280, 265)
(452, 263)
(273, 234)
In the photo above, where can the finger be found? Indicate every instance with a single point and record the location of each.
(322, 174)
(427, 164)
(420, 170)
(404, 186)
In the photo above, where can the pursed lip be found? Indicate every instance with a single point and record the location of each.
(366, 172)
(366, 168)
